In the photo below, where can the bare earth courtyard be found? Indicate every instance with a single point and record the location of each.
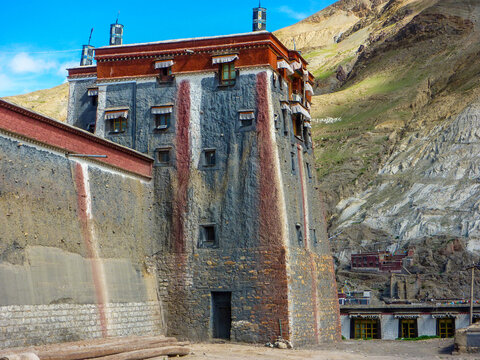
(345, 350)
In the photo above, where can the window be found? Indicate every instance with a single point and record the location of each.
(284, 118)
(292, 157)
(163, 156)
(116, 121)
(446, 327)
(165, 75)
(297, 125)
(210, 158)
(313, 236)
(408, 329)
(91, 127)
(208, 238)
(161, 116)
(366, 329)
(309, 171)
(118, 124)
(162, 121)
(246, 117)
(165, 70)
(93, 94)
(227, 73)
(298, 227)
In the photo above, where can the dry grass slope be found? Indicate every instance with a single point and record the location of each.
(50, 102)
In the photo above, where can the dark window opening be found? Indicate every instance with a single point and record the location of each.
(309, 170)
(91, 127)
(284, 118)
(297, 125)
(94, 100)
(292, 156)
(221, 314)
(313, 235)
(298, 227)
(408, 329)
(228, 73)
(165, 74)
(208, 238)
(210, 158)
(118, 125)
(277, 124)
(246, 122)
(163, 156)
(162, 121)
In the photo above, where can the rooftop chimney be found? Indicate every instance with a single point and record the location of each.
(259, 18)
(116, 33)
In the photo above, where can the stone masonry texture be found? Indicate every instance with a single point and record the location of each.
(56, 258)
(252, 198)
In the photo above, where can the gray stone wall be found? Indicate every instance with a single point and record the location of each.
(47, 264)
(24, 325)
(81, 107)
(227, 196)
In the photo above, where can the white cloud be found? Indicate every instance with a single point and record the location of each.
(292, 13)
(62, 71)
(23, 63)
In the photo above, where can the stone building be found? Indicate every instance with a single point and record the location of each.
(192, 209)
(396, 321)
(226, 118)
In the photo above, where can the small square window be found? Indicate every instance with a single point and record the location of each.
(208, 238)
(165, 75)
(210, 158)
(246, 118)
(118, 125)
(163, 156)
(162, 121)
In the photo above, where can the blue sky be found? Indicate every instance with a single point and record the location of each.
(40, 39)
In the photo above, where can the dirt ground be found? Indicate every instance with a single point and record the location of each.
(345, 350)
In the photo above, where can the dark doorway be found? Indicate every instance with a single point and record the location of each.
(221, 314)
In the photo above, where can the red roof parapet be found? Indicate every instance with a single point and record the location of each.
(25, 123)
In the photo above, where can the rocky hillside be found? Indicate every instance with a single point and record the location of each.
(50, 102)
(396, 118)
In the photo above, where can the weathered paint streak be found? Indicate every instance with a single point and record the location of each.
(272, 262)
(314, 272)
(84, 216)
(304, 198)
(183, 166)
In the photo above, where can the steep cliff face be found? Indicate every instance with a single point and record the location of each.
(430, 186)
(395, 128)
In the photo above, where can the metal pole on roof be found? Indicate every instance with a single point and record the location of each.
(90, 38)
(86, 155)
(471, 295)
(472, 268)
